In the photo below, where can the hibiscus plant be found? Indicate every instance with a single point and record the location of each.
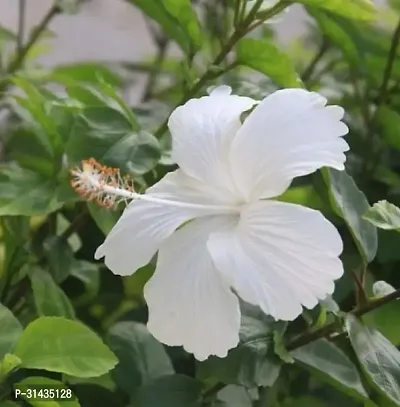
(227, 237)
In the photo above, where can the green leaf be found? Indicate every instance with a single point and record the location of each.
(105, 218)
(24, 192)
(50, 299)
(106, 135)
(86, 72)
(380, 360)
(351, 204)
(384, 215)
(174, 391)
(10, 330)
(61, 345)
(9, 364)
(265, 57)
(60, 257)
(178, 20)
(43, 383)
(89, 274)
(330, 364)
(303, 402)
(383, 319)
(142, 358)
(354, 9)
(8, 404)
(253, 362)
(233, 396)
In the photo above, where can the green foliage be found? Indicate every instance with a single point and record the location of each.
(67, 321)
(351, 204)
(59, 345)
(264, 56)
(10, 330)
(379, 358)
(384, 215)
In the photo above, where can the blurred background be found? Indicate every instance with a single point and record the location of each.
(114, 31)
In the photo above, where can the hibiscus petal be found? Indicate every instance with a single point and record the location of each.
(189, 304)
(144, 225)
(279, 257)
(291, 133)
(202, 131)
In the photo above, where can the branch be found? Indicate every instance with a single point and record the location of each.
(330, 328)
(323, 332)
(237, 35)
(21, 24)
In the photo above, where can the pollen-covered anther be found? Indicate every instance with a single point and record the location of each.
(94, 182)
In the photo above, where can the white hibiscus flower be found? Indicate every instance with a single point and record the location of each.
(217, 230)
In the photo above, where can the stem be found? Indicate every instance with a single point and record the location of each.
(21, 25)
(237, 35)
(17, 62)
(308, 72)
(330, 328)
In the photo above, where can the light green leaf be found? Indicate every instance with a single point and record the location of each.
(351, 204)
(45, 384)
(142, 358)
(178, 20)
(86, 72)
(174, 391)
(9, 364)
(380, 360)
(264, 56)
(330, 364)
(24, 192)
(61, 345)
(253, 362)
(384, 215)
(354, 9)
(10, 330)
(233, 396)
(50, 299)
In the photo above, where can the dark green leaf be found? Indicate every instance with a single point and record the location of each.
(253, 362)
(59, 256)
(10, 330)
(178, 20)
(379, 358)
(61, 345)
(50, 299)
(351, 204)
(89, 274)
(329, 363)
(384, 215)
(106, 135)
(355, 9)
(389, 122)
(265, 57)
(171, 391)
(303, 402)
(142, 358)
(104, 217)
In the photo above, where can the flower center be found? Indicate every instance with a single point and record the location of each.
(105, 185)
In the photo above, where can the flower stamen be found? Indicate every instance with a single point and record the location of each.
(108, 188)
